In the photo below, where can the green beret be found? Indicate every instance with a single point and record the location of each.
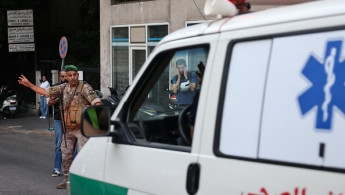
(71, 68)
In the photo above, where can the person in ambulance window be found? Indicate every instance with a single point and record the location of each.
(184, 84)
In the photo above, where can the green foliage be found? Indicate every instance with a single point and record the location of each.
(85, 42)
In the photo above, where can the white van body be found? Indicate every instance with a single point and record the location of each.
(270, 117)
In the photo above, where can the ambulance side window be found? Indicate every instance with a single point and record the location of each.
(244, 90)
(154, 113)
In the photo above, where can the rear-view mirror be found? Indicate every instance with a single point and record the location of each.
(95, 121)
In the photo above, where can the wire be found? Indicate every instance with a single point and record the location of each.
(199, 11)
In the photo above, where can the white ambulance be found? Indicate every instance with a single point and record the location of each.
(270, 117)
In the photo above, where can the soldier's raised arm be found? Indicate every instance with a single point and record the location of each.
(24, 81)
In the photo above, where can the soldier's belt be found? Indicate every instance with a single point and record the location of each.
(73, 127)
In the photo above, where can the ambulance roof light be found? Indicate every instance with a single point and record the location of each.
(225, 7)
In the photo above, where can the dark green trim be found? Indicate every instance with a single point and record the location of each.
(84, 186)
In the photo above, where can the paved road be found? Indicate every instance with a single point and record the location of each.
(27, 156)
(27, 122)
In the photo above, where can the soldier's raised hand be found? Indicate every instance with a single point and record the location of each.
(24, 81)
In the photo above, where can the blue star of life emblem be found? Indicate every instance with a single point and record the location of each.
(328, 85)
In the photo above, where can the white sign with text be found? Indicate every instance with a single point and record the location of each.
(21, 47)
(20, 34)
(20, 17)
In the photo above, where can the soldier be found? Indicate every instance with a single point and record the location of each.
(76, 95)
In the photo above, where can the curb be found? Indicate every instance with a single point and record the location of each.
(48, 133)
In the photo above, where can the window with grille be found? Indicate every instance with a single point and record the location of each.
(130, 46)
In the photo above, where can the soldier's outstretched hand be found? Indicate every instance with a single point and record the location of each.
(24, 81)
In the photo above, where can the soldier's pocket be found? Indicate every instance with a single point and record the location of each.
(73, 112)
(78, 115)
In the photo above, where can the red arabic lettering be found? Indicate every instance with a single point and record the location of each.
(296, 191)
(331, 193)
(263, 191)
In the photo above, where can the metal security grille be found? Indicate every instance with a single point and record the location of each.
(125, 1)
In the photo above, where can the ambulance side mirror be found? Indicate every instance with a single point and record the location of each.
(95, 121)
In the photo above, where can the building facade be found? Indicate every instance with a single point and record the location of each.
(130, 29)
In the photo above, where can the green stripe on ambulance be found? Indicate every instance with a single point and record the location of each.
(82, 185)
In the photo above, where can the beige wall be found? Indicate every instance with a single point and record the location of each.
(105, 64)
(174, 12)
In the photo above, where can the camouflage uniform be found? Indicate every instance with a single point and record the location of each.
(74, 101)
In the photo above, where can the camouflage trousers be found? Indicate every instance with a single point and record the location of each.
(73, 139)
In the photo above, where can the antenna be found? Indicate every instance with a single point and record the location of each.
(199, 11)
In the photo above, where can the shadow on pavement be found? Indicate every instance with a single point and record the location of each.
(26, 121)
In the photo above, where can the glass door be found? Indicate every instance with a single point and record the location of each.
(137, 60)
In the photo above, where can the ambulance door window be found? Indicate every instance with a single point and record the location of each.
(245, 84)
(154, 115)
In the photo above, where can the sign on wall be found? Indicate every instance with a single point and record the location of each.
(20, 17)
(20, 30)
(20, 34)
(21, 47)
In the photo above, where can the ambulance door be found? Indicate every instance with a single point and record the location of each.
(241, 80)
(152, 157)
(280, 124)
(303, 117)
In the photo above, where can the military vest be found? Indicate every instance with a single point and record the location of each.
(73, 107)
